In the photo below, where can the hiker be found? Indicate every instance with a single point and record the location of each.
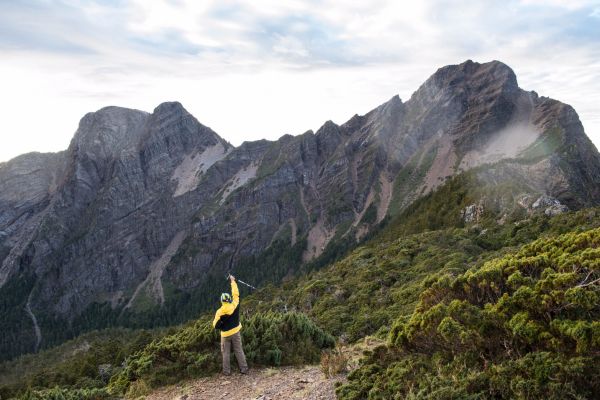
(227, 320)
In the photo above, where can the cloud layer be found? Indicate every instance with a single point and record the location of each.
(264, 68)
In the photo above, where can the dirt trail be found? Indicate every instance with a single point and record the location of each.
(36, 327)
(283, 383)
(286, 383)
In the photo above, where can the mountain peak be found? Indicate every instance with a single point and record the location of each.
(108, 130)
(170, 107)
(328, 127)
(493, 72)
(172, 119)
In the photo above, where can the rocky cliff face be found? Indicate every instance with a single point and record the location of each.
(145, 212)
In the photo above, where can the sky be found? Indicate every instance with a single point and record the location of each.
(260, 69)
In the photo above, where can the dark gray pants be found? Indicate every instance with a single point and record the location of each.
(234, 340)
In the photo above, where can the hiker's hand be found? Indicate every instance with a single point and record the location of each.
(231, 278)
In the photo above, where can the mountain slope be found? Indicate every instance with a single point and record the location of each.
(137, 221)
(525, 325)
(364, 293)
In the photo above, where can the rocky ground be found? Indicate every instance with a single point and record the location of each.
(284, 383)
(260, 384)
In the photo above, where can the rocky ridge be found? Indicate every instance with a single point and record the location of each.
(146, 211)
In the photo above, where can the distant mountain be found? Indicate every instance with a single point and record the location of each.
(137, 221)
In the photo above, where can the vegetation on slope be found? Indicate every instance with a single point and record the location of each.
(522, 326)
(269, 339)
(443, 207)
(365, 292)
(86, 362)
(100, 371)
(13, 300)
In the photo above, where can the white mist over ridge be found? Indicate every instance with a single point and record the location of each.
(506, 143)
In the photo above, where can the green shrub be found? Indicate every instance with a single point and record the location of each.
(137, 389)
(522, 326)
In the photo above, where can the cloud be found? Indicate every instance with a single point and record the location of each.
(282, 66)
(39, 27)
(564, 4)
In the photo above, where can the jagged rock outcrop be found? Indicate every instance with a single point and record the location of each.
(472, 213)
(549, 205)
(145, 212)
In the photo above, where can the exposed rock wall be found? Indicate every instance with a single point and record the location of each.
(158, 200)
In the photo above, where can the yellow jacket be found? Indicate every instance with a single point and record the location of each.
(228, 315)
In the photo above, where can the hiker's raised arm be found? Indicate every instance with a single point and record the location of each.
(235, 292)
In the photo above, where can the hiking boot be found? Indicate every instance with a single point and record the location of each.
(226, 373)
(244, 371)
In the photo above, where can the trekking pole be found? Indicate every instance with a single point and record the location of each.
(247, 284)
(242, 282)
